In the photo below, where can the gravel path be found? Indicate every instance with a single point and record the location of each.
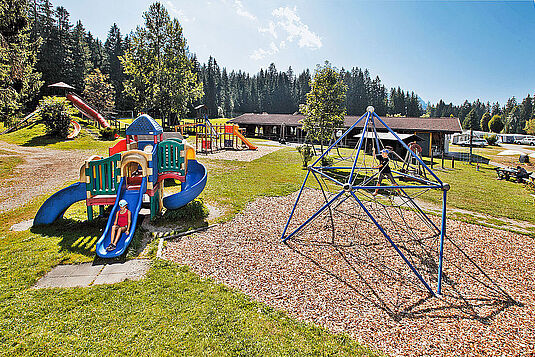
(241, 155)
(362, 287)
(43, 171)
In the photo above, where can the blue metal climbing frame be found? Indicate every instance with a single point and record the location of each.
(359, 183)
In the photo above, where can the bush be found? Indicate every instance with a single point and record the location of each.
(327, 161)
(56, 113)
(108, 133)
(491, 139)
(307, 153)
(496, 124)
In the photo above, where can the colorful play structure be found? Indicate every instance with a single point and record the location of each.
(210, 138)
(136, 167)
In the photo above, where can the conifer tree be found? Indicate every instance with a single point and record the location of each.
(160, 70)
(19, 82)
(114, 49)
(80, 57)
(526, 112)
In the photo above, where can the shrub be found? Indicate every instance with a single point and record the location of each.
(327, 161)
(108, 133)
(307, 153)
(496, 124)
(491, 139)
(56, 114)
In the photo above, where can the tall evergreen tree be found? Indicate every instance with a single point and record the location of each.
(19, 82)
(159, 66)
(526, 112)
(114, 48)
(471, 121)
(80, 56)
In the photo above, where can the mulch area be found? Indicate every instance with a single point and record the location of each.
(359, 285)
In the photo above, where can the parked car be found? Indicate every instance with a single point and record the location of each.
(526, 141)
(475, 142)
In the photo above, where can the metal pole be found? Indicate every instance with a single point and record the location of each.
(284, 239)
(295, 204)
(441, 251)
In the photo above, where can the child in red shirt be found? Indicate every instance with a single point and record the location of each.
(123, 218)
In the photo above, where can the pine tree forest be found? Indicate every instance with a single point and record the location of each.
(56, 50)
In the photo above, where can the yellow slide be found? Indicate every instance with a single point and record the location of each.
(242, 138)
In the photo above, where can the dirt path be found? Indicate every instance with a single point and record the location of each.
(241, 155)
(43, 171)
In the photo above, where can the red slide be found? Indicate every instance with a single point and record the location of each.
(87, 110)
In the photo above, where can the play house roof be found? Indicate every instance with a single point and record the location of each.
(144, 125)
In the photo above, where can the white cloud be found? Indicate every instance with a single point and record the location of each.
(287, 27)
(240, 10)
(178, 12)
(270, 29)
(260, 53)
(290, 22)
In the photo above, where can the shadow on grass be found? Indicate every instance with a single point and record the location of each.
(75, 236)
(42, 140)
(191, 216)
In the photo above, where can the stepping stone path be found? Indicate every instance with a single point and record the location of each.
(88, 274)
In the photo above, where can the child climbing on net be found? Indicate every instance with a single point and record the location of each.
(123, 218)
(384, 169)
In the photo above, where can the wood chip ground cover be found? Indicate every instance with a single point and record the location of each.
(359, 285)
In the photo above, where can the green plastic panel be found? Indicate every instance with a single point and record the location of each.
(171, 157)
(104, 175)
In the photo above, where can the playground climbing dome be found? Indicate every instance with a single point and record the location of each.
(342, 203)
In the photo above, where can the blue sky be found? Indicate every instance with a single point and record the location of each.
(454, 50)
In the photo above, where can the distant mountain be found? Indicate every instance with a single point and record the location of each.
(422, 102)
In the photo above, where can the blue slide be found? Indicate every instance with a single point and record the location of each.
(135, 201)
(56, 205)
(192, 187)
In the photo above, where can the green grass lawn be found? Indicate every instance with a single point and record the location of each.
(35, 136)
(481, 191)
(171, 311)
(233, 184)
